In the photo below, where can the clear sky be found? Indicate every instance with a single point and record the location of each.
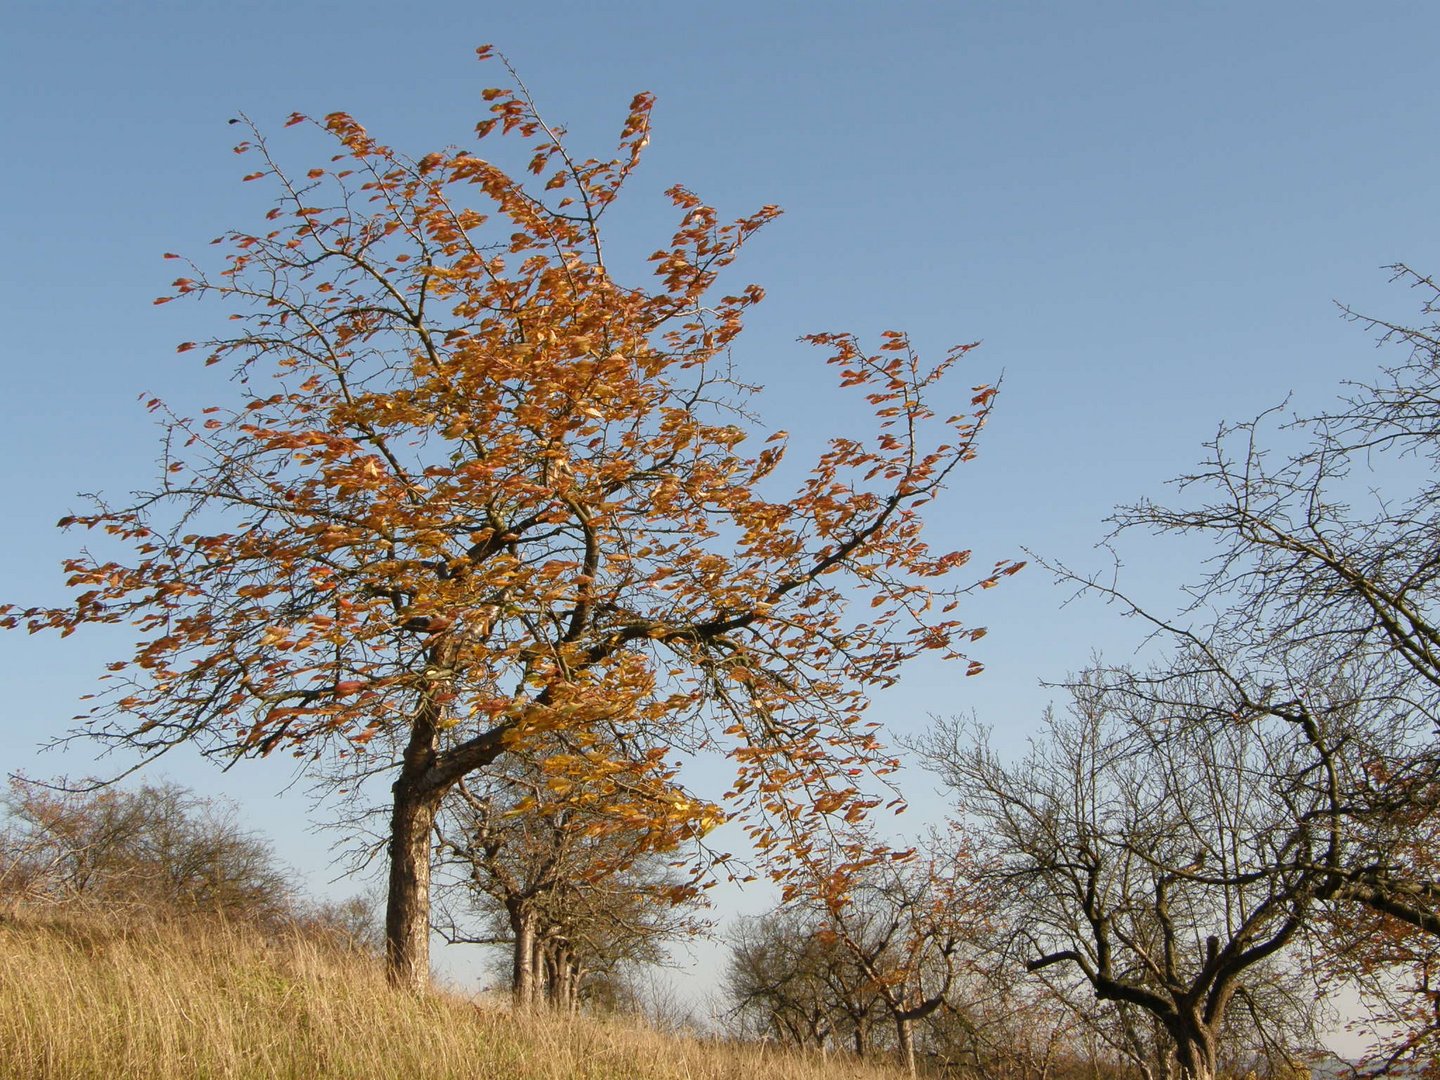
(1146, 211)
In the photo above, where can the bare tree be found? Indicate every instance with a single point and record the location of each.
(1320, 609)
(792, 982)
(909, 927)
(1004, 1023)
(1170, 863)
(859, 945)
(158, 848)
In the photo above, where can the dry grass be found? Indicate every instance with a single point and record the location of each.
(83, 998)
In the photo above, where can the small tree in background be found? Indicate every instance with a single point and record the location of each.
(546, 867)
(910, 925)
(475, 491)
(788, 981)
(879, 941)
(158, 848)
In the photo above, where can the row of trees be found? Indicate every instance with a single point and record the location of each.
(579, 896)
(793, 980)
(1194, 854)
(862, 963)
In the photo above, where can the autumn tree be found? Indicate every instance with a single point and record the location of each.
(474, 489)
(1392, 973)
(544, 866)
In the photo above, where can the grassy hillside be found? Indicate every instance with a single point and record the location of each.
(87, 998)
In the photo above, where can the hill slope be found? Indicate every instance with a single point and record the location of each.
(87, 998)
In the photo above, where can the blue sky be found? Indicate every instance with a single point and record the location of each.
(1146, 211)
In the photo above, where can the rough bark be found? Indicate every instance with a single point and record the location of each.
(1195, 1051)
(523, 978)
(905, 1041)
(407, 913)
(426, 774)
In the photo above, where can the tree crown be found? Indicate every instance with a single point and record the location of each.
(474, 482)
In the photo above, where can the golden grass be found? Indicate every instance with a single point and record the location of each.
(83, 998)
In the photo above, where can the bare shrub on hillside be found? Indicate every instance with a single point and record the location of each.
(159, 851)
(158, 847)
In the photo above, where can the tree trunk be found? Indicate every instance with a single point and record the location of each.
(412, 818)
(1194, 1056)
(1048, 1061)
(577, 976)
(425, 777)
(523, 976)
(554, 983)
(565, 996)
(407, 910)
(905, 1041)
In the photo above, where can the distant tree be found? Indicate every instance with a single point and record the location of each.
(543, 864)
(477, 490)
(861, 943)
(1319, 610)
(352, 925)
(158, 848)
(909, 924)
(1173, 865)
(788, 981)
(1001, 1023)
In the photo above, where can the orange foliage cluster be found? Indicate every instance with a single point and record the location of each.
(477, 484)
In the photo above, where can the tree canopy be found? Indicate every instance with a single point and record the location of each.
(472, 491)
